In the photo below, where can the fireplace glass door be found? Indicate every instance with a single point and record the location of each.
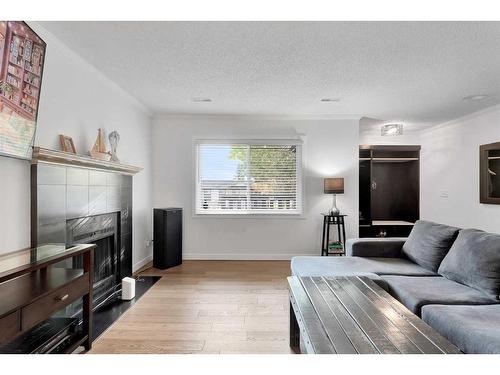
(101, 230)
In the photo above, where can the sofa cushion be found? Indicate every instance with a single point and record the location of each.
(474, 260)
(375, 247)
(428, 243)
(473, 329)
(342, 266)
(415, 292)
(327, 266)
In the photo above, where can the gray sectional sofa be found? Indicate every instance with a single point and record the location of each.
(447, 276)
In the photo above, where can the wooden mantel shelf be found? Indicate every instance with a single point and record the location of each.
(45, 155)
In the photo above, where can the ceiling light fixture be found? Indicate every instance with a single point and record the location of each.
(330, 100)
(391, 129)
(202, 100)
(476, 97)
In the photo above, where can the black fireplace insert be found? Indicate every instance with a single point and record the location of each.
(103, 231)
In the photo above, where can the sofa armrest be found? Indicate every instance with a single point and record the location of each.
(375, 247)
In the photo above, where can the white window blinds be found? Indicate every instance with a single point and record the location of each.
(249, 178)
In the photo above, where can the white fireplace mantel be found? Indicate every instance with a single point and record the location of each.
(44, 155)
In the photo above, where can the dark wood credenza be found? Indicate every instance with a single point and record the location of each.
(32, 289)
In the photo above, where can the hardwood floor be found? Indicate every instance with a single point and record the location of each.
(207, 307)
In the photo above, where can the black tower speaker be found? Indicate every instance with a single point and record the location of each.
(167, 237)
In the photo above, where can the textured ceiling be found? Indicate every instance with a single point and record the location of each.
(414, 71)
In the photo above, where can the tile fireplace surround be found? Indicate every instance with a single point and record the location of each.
(65, 187)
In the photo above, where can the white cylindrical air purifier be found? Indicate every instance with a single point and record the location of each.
(128, 288)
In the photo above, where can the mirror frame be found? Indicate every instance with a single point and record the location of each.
(483, 173)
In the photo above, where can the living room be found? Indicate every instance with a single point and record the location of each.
(221, 186)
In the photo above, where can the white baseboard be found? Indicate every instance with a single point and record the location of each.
(238, 256)
(215, 256)
(142, 263)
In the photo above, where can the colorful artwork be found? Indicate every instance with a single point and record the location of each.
(22, 55)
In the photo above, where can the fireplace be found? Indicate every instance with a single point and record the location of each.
(76, 199)
(75, 205)
(102, 230)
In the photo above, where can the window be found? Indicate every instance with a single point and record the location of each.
(249, 177)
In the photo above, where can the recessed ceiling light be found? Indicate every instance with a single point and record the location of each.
(476, 97)
(391, 129)
(201, 100)
(327, 100)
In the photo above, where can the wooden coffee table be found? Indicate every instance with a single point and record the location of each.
(349, 315)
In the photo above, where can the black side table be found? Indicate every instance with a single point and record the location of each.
(338, 221)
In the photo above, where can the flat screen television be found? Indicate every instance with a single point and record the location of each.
(22, 53)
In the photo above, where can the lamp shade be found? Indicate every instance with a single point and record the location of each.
(334, 185)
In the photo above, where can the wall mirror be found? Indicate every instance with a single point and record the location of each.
(489, 163)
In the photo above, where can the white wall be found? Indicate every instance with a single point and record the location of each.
(331, 148)
(76, 100)
(450, 164)
(14, 204)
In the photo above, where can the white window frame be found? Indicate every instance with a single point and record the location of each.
(299, 213)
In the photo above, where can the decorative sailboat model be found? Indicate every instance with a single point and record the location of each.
(99, 149)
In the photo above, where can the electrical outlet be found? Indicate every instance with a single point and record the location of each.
(444, 194)
(148, 243)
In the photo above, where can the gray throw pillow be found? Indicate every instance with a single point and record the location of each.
(428, 243)
(474, 260)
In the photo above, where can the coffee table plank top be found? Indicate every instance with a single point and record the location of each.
(386, 339)
(356, 336)
(428, 333)
(313, 334)
(332, 327)
(354, 315)
(406, 321)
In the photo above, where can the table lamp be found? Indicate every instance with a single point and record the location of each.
(334, 186)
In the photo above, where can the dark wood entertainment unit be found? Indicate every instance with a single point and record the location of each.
(33, 286)
(389, 190)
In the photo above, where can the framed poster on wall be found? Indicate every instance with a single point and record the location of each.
(22, 54)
